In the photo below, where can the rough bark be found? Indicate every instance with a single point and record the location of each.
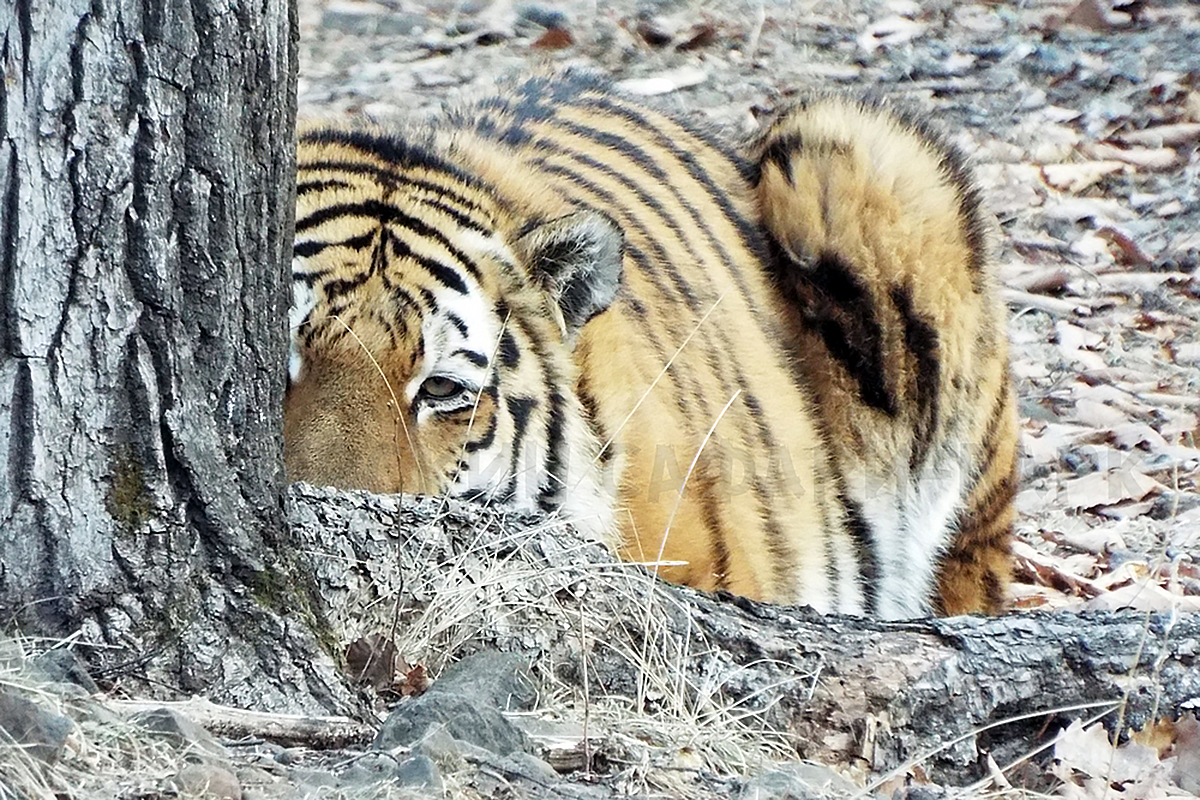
(146, 174)
(444, 578)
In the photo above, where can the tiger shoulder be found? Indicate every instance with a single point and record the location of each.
(776, 368)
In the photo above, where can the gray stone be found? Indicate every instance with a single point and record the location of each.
(419, 772)
(65, 666)
(530, 768)
(491, 678)
(39, 732)
(463, 718)
(447, 752)
(208, 781)
(313, 778)
(799, 781)
(182, 733)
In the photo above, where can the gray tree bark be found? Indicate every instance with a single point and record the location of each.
(442, 579)
(146, 179)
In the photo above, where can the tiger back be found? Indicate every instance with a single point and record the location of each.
(564, 300)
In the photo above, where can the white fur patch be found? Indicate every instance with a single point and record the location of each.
(304, 299)
(910, 526)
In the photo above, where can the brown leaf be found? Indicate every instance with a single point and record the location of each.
(702, 34)
(1186, 773)
(415, 683)
(1128, 253)
(554, 39)
(653, 33)
(371, 660)
(1097, 16)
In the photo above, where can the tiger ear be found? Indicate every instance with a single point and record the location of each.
(577, 259)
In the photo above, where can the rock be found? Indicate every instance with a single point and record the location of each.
(181, 732)
(65, 666)
(208, 781)
(39, 732)
(531, 16)
(799, 781)
(530, 768)
(491, 678)
(449, 753)
(313, 779)
(463, 718)
(419, 772)
(372, 769)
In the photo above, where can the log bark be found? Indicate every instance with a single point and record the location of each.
(146, 183)
(442, 579)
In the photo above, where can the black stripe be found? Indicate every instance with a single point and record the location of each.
(510, 354)
(310, 278)
(999, 411)
(779, 152)
(921, 339)
(519, 408)
(475, 357)
(438, 194)
(342, 286)
(833, 573)
(839, 308)
(864, 550)
(459, 325)
(313, 247)
(485, 441)
(306, 187)
(710, 509)
(387, 149)
(554, 481)
(387, 215)
(443, 274)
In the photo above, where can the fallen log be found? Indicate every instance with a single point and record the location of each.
(441, 578)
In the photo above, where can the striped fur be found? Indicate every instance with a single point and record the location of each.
(778, 371)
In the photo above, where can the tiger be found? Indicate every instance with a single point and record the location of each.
(774, 366)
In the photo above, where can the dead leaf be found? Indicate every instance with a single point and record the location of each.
(371, 660)
(702, 34)
(889, 32)
(664, 82)
(1094, 15)
(653, 33)
(416, 681)
(1103, 488)
(1077, 177)
(1144, 596)
(1186, 773)
(1172, 135)
(1148, 158)
(554, 39)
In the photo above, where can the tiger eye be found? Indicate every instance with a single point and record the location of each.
(441, 387)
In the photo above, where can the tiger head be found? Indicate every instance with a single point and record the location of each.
(432, 331)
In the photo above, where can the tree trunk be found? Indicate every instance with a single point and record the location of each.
(146, 177)
(442, 579)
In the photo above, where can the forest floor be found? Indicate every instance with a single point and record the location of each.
(1082, 123)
